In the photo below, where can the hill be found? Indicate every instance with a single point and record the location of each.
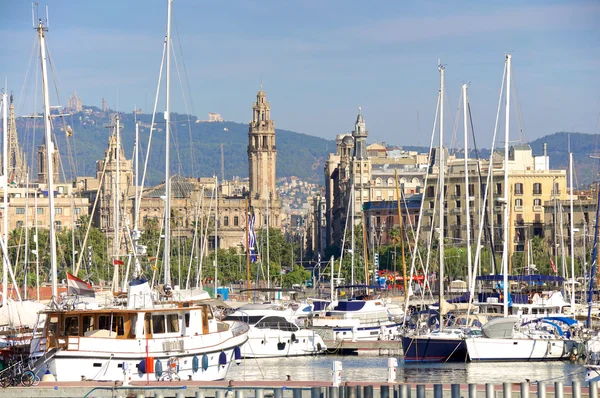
(583, 147)
(196, 146)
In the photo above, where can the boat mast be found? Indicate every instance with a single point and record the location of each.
(352, 200)
(26, 268)
(572, 236)
(506, 204)
(216, 235)
(117, 194)
(37, 253)
(467, 191)
(268, 258)
(49, 158)
(441, 199)
(167, 254)
(5, 195)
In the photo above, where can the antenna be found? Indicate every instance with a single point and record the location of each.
(33, 15)
(47, 18)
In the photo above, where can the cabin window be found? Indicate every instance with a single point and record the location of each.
(158, 324)
(173, 323)
(187, 320)
(88, 323)
(119, 325)
(104, 322)
(72, 326)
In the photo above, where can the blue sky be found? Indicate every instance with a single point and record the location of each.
(320, 60)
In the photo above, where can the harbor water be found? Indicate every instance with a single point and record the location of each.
(367, 368)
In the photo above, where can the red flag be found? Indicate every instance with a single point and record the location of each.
(151, 258)
(552, 264)
(118, 262)
(78, 286)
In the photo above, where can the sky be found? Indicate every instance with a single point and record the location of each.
(320, 60)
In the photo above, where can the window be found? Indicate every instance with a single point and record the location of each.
(71, 326)
(226, 221)
(518, 188)
(458, 221)
(537, 188)
(118, 325)
(378, 181)
(172, 323)
(77, 210)
(556, 189)
(498, 188)
(537, 202)
(457, 190)
(430, 192)
(40, 210)
(20, 210)
(88, 323)
(471, 189)
(458, 204)
(158, 324)
(19, 224)
(58, 210)
(104, 322)
(236, 220)
(518, 202)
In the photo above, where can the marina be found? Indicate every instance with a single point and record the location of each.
(445, 271)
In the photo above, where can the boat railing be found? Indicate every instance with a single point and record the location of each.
(239, 328)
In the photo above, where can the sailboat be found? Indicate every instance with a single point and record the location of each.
(509, 338)
(440, 345)
(141, 341)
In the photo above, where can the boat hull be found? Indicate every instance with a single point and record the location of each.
(497, 349)
(200, 358)
(430, 349)
(266, 343)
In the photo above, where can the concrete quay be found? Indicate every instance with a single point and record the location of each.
(301, 389)
(378, 347)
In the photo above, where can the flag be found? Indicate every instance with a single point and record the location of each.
(251, 238)
(79, 287)
(552, 264)
(151, 258)
(118, 262)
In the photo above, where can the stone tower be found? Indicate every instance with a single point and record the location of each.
(262, 164)
(17, 167)
(262, 152)
(360, 165)
(105, 215)
(42, 163)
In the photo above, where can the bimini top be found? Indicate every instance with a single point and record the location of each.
(522, 278)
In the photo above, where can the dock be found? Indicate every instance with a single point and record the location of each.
(299, 389)
(376, 347)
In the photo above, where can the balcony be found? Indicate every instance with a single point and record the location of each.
(538, 208)
(518, 208)
(456, 210)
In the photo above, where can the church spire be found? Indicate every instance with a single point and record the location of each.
(360, 137)
(262, 153)
(16, 164)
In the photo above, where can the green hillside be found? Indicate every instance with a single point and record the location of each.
(196, 147)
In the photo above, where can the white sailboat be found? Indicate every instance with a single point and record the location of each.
(142, 341)
(509, 338)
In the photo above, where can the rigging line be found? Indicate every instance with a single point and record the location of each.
(193, 171)
(89, 226)
(27, 80)
(419, 222)
(137, 206)
(488, 188)
(454, 142)
(187, 81)
(520, 120)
